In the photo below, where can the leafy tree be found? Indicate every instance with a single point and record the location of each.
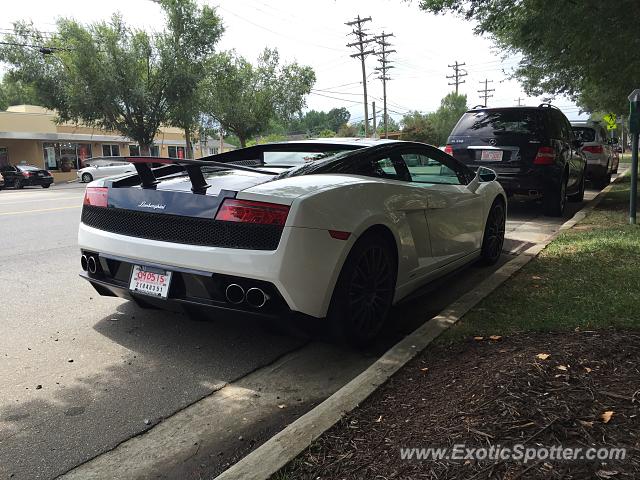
(15, 92)
(326, 133)
(418, 127)
(392, 124)
(191, 35)
(452, 107)
(244, 98)
(586, 50)
(347, 130)
(114, 77)
(336, 117)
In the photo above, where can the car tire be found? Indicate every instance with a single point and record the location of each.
(494, 230)
(87, 177)
(18, 185)
(46, 185)
(579, 196)
(364, 291)
(554, 201)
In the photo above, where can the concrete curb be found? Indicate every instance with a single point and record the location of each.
(283, 447)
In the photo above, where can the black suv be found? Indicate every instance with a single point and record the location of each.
(532, 149)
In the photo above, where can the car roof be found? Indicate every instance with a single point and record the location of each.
(350, 141)
(586, 124)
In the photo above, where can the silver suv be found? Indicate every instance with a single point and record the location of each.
(601, 159)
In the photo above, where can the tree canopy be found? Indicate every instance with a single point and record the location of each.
(586, 50)
(15, 92)
(244, 98)
(435, 127)
(114, 77)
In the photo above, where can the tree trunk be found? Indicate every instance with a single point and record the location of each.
(243, 141)
(145, 150)
(188, 151)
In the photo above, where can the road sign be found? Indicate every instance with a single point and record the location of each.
(611, 119)
(611, 126)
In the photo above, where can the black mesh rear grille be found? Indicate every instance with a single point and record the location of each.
(179, 229)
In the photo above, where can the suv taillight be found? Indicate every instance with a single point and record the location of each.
(545, 156)
(96, 196)
(248, 211)
(448, 149)
(593, 149)
(26, 174)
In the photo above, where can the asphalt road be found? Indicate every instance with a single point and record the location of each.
(81, 373)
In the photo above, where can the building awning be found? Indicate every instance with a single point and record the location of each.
(62, 137)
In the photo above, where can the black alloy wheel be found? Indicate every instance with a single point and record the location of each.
(554, 201)
(86, 177)
(364, 291)
(18, 184)
(494, 231)
(579, 195)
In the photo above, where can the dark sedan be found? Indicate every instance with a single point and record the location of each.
(18, 176)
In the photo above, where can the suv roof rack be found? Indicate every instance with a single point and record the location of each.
(547, 105)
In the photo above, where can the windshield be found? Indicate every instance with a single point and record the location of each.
(584, 134)
(27, 167)
(499, 122)
(294, 159)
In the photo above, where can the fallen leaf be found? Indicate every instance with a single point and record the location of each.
(587, 369)
(606, 416)
(495, 337)
(606, 473)
(543, 356)
(586, 424)
(282, 405)
(536, 277)
(478, 339)
(424, 369)
(562, 367)
(379, 419)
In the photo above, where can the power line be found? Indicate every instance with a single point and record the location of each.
(361, 45)
(458, 73)
(485, 91)
(383, 69)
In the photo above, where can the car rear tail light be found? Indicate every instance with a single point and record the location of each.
(26, 174)
(593, 149)
(247, 211)
(545, 156)
(339, 234)
(448, 149)
(96, 196)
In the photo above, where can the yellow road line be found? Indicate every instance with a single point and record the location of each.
(40, 210)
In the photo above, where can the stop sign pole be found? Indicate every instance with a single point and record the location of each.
(634, 129)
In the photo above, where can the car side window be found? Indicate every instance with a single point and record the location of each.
(425, 169)
(386, 167)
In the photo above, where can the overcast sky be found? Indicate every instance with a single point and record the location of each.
(313, 33)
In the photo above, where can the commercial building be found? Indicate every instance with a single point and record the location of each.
(29, 134)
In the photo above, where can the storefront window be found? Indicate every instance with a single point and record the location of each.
(4, 156)
(176, 152)
(65, 156)
(134, 150)
(110, 150)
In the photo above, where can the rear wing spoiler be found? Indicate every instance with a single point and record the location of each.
(237, 159)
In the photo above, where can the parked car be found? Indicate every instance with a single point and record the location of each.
(1, 181)
(102, 168)
(24, 175)
(333, 229)
(532, 149)
(602, 159)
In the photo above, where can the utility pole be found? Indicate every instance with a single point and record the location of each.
(361, 46)
(485, 91)
(382, 70)
(375, 130)
(458, 73)
(519, 100)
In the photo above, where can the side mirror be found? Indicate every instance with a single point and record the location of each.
(486, 175)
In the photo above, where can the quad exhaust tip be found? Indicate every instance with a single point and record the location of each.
(257, 298)
(92, 265)
(83, 263)
(235, 293)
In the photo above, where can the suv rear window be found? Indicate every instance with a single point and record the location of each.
(490, 123)
(585, 134)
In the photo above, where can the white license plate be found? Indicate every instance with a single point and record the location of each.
(150, 281)
(491, 155)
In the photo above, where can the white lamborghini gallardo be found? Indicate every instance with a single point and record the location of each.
(338, 229)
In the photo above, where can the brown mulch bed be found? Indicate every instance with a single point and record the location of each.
(484, 393)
